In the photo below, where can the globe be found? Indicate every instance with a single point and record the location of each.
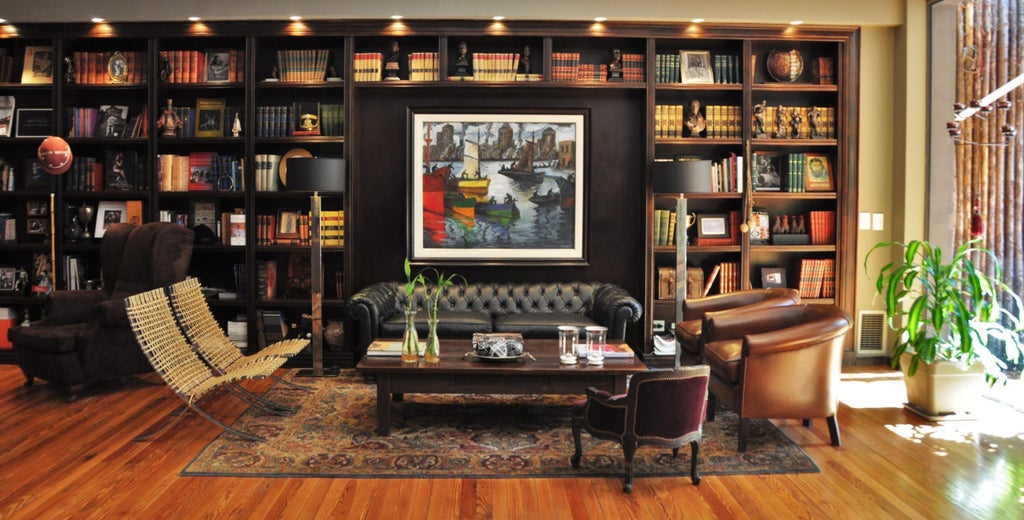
(54, 155)
(785, 65)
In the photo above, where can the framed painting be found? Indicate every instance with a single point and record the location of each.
(287, 225)
(696, 67)
(38, 65)
(498, 187)
(109, 212)
(713, 226)
(818, 176)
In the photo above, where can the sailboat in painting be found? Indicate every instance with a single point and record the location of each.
(470, 182)
(522, 170)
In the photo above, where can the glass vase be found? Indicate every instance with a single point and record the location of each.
(432, 354)
(410, 340)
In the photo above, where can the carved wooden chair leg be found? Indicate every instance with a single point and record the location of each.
(628, 450)
(744, 431)
(578, 439)
(712, 406)
(694, 456)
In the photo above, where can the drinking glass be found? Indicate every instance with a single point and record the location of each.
(567, 342)
(596, 340)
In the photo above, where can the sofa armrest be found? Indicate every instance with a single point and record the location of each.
(112, 313)
(614, 308)
(67, 307)
(370, 307)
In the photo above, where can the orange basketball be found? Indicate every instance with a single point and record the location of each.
(55, 155)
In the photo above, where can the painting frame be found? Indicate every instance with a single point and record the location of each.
(455, 217)
(218, 66)
(109, 212)
(34, 122)
(818, 173)
(713, 225)
(209, 117)
(772, 277)
(287, 224)
(38, 65)
(695, 68)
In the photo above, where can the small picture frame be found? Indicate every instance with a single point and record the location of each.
(34, 122)
(37, 226)
(818, 174)
(209, 117)
(287, 225)
(107, 213)
(13, 280)
(38, 67)
(37, 208)
(773, 277)
(696, 67)
(36, 178)
(204, 212)
(117, 68)
(218, 66)
(713, 226)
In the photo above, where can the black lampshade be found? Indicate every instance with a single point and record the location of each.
(316, 174)
(676, 176)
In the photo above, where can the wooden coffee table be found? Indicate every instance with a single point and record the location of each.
(457, 373)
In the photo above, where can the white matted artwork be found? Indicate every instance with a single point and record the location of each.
(107, 213)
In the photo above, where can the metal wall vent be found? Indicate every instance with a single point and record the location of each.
(872, 334)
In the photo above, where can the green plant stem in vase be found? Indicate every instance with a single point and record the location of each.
(410, 340)
(432, 354)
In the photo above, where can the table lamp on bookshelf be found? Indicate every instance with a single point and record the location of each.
(316, 175)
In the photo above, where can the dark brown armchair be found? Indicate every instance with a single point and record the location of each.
(661, 408)
(86, 337)
(688, 331)
(777, 363)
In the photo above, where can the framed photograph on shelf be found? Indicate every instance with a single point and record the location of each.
(117, 68)
(287, 225)
(107, 213)
(204, 212)
(36, 178)
(696, 67)
(209, 117)
(773, 277)
(37, 226)
(38, 66)
(713, 226)
(818, 175)
(34, 122)
(37, 208)
(218, 65)
(522, 204)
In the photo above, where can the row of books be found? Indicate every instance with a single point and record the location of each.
(727, 274)
(267, 166)
(721, 122)
(294, 119)
(200, 171)
(302, 64)
(76, 272)
(92, 68)
(566, 66)
(6, 66)
(332, 227)
(7, 175)
(107, 121)
(367, 66)
(822, 227)
(195, 66)
(495, 66)
(817, 277)
(664, 227)
(423, 66)
(780, 121)
(120, 170)
(795, 172)
(276, 230)
(726, 69)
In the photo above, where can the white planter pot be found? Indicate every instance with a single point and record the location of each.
(944, 387)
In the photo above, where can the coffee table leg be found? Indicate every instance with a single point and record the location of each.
(383, 405)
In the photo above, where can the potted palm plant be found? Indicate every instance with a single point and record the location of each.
(947, 316)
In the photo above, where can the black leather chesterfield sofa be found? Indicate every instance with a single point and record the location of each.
(532, 309)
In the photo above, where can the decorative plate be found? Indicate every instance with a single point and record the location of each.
(282, 170)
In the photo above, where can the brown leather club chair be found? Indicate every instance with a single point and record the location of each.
(688, 331)
(777, 363)
(85, 337)
(661, 408)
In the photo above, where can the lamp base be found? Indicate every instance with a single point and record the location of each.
(326, 372)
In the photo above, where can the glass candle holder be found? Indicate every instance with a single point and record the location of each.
(567, 343)
(597, 338)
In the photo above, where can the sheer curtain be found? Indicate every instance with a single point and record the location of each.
(990, 179)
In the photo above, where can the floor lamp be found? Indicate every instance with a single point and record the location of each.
(316, 175)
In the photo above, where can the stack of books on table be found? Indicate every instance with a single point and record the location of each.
(619, 350)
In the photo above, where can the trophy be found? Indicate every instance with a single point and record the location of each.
(85, 213)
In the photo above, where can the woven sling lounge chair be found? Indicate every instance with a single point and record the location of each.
(209, 340)
(184, 372)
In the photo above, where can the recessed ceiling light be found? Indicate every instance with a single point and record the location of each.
(294, 18)
(600, 18)
(796, 22)
(98, 20)
(697, 20)
(397, 17)
(194, 18)
(497, 18)
(3, 20)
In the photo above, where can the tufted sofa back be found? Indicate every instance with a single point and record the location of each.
(498, 299)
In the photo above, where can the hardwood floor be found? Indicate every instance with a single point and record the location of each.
(77, 460)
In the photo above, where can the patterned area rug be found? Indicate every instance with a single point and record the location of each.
(461, 436)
